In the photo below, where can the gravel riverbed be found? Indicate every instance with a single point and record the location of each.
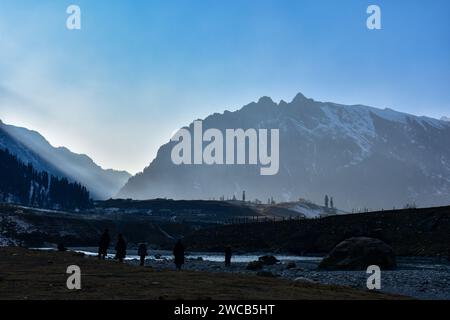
(414, 277)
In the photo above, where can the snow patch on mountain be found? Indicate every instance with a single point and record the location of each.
(6, 242)
(307, 211)
(20, 225)
(356, 124)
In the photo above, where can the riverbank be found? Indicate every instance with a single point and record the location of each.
(31, 274)
(420, 278)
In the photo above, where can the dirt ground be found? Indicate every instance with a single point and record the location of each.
(37, 275)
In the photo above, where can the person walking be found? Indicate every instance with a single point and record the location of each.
(103, 245)
(142, 253)
(121, 248)
(228, 255)
(178, 252)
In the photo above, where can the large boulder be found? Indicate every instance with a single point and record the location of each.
(359, 253)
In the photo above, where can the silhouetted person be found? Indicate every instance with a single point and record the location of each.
(103, 244)
(228, 255)
(142, 253)
(121, 248)
(61, 248)
(178, 252)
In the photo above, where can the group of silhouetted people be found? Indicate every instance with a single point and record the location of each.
(121, 250)
(105, 242)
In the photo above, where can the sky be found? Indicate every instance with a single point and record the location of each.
(138, 70)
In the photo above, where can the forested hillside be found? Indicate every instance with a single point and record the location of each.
(21, 183)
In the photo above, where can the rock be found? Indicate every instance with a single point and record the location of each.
(157, 256)
(291, 265)
(302, 279)
(268, 260)
(199, 259)
(265, 273)
(358, 253)
(254, 265)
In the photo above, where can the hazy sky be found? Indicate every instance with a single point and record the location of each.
(138, 70)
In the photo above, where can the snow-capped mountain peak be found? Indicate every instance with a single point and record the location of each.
(364, 156)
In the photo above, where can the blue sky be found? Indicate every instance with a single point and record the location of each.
(138, 70)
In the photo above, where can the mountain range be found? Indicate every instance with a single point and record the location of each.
(363, 156)
(31, 147)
